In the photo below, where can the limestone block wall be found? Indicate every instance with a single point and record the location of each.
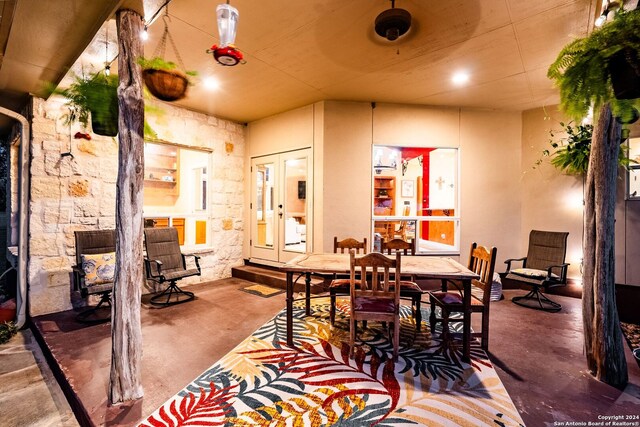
(70, 193)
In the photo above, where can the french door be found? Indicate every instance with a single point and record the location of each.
(280, 206)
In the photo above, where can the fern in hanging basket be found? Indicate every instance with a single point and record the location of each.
(94, 97)
(164, 79)
(586, 69)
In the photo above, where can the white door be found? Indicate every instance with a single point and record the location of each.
(280, 206)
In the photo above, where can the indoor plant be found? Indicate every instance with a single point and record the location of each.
(571, 153)
(164, 79)
(93, 96)
(586, 69)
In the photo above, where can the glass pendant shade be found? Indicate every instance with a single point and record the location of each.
(227, 23)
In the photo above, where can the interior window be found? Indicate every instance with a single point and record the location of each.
(176, 191)
(415, 196)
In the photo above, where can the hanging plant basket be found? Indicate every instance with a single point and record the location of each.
(624, 69)
(167, 85)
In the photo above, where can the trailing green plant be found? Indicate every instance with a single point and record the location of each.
(571, 153)
(92, 96)
(581, 70)
(95, 96)
(158, 63)
(7, 330)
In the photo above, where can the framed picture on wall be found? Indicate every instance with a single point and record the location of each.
(408, 188)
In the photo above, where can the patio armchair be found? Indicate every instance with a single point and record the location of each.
(482, 261)
(164, 263)
(542, 268)
(94, 271)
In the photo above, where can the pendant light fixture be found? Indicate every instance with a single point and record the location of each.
(227, 54)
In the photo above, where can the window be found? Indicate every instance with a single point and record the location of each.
(176, 191)
(415, 195)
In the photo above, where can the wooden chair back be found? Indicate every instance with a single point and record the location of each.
(381, 284)
(482, 261)
(349, 243)
(398, 246)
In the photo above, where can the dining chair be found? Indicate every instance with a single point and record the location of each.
(408, 288)
(377, 299)
(482, 261)
(340, 285)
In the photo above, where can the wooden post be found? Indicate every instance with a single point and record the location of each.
(602, 335)
(126, 333)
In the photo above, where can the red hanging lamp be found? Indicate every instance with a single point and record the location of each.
(226, 53)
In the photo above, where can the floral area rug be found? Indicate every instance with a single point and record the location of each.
(262, 382)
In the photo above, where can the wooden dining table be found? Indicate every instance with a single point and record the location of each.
(424, 267)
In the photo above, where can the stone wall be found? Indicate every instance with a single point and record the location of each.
(70, 193)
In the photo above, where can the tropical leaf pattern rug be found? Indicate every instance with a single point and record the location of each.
(262, 382)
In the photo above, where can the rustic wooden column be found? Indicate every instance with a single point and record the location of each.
(602, 334)
(126, 334)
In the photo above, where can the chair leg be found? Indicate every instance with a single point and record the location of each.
(172, 291)
(90, 315)
(432, 316)
(396, 338)
(543, 303)
(484, 343)
(352, 336)
(418, 312)
(332, 310)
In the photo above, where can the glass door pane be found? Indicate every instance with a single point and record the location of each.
(264, 212)
(295, 166)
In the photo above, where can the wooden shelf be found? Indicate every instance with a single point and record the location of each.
(161, 160)
(387, 186)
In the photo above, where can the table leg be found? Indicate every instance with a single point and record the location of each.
(290, 308)
(466, 324)
(307, 290)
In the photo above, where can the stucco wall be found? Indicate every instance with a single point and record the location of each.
(344, 133)
(69, 194)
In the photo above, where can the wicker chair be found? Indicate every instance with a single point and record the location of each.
(91, 245)
(165, 263)
(542, 268)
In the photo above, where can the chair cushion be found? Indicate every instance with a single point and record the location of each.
(98, 268)
(379, 305)
(447, 297)
(340, 283)
(406, 286)
(179, 274)
(533, 273)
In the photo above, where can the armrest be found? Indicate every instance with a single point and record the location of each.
(78, 270)
(158, 265)
(510, 260)
(563, 270)
(195, 258)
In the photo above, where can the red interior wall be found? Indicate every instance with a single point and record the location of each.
(409, 153)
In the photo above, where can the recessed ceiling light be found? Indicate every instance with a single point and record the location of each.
(211, 83)
(460, 78)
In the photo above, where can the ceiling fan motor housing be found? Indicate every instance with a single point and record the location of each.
(393, 23)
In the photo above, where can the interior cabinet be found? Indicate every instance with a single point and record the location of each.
(177, 223)
(384, 195)
(161, 173)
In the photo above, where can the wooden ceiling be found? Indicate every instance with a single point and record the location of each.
(299, 52)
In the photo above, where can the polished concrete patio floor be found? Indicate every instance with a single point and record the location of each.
(537, 355)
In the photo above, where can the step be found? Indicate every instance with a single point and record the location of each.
(270, 276)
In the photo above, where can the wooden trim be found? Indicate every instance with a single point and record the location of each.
(178, 145)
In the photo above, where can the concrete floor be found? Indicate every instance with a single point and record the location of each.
(537, 355)
(29, 393)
